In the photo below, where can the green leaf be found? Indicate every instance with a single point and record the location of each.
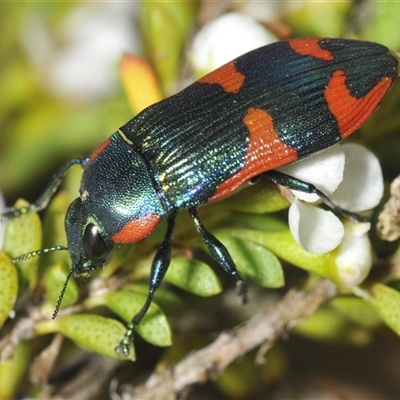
(193, 276)
(327, 325)
(163, 297)
(259, 222)
(164, 40)
(13, 371)
(23, 235)
(254, 261)
(356, 310)
(92, 332)
(154, 326)
(8, 287)
(263, 197)
(165, 26)
(284, 246)
(386, 302)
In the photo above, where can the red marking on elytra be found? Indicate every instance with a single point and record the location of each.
(310, 47)
(351, 112)
(265, 151)
(227, 76)
(98, 151)
(136, 229)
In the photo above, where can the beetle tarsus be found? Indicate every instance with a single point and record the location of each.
(242, 291)
(297, 184)
(124, 347)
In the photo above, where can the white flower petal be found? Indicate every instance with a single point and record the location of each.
(355, 254)
(316, 230)
(226, 38)
(93, 37)
(362, 185)
(324, 170)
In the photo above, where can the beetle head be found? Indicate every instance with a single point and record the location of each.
(88, 244)
(118, 204)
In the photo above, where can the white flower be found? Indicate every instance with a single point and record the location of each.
(354, 259)
(324, 170)
(316, 230)
(93, 37)
(351, 177)
(226, 38)
(362, 185)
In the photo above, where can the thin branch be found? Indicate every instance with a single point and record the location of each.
(264, 329)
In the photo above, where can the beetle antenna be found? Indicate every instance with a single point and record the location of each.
(38, 253)
(60, 298)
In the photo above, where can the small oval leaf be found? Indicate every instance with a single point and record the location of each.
(13, 372)
(254, 261)
(93, 332)
(164, 41)
(357, 311)
(154, 326)
(23, 235)
(263, 197)
(165, 26)
(327, 325)
(193, 276)
(8, 287)
(284, 246)
(386, 302)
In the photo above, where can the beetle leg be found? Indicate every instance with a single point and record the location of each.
(159, 268)
(297, 184)
(50, 189)
(219, 252)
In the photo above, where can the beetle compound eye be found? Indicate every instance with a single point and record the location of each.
(93, 244)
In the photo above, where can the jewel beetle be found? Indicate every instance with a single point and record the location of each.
(270, 107)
